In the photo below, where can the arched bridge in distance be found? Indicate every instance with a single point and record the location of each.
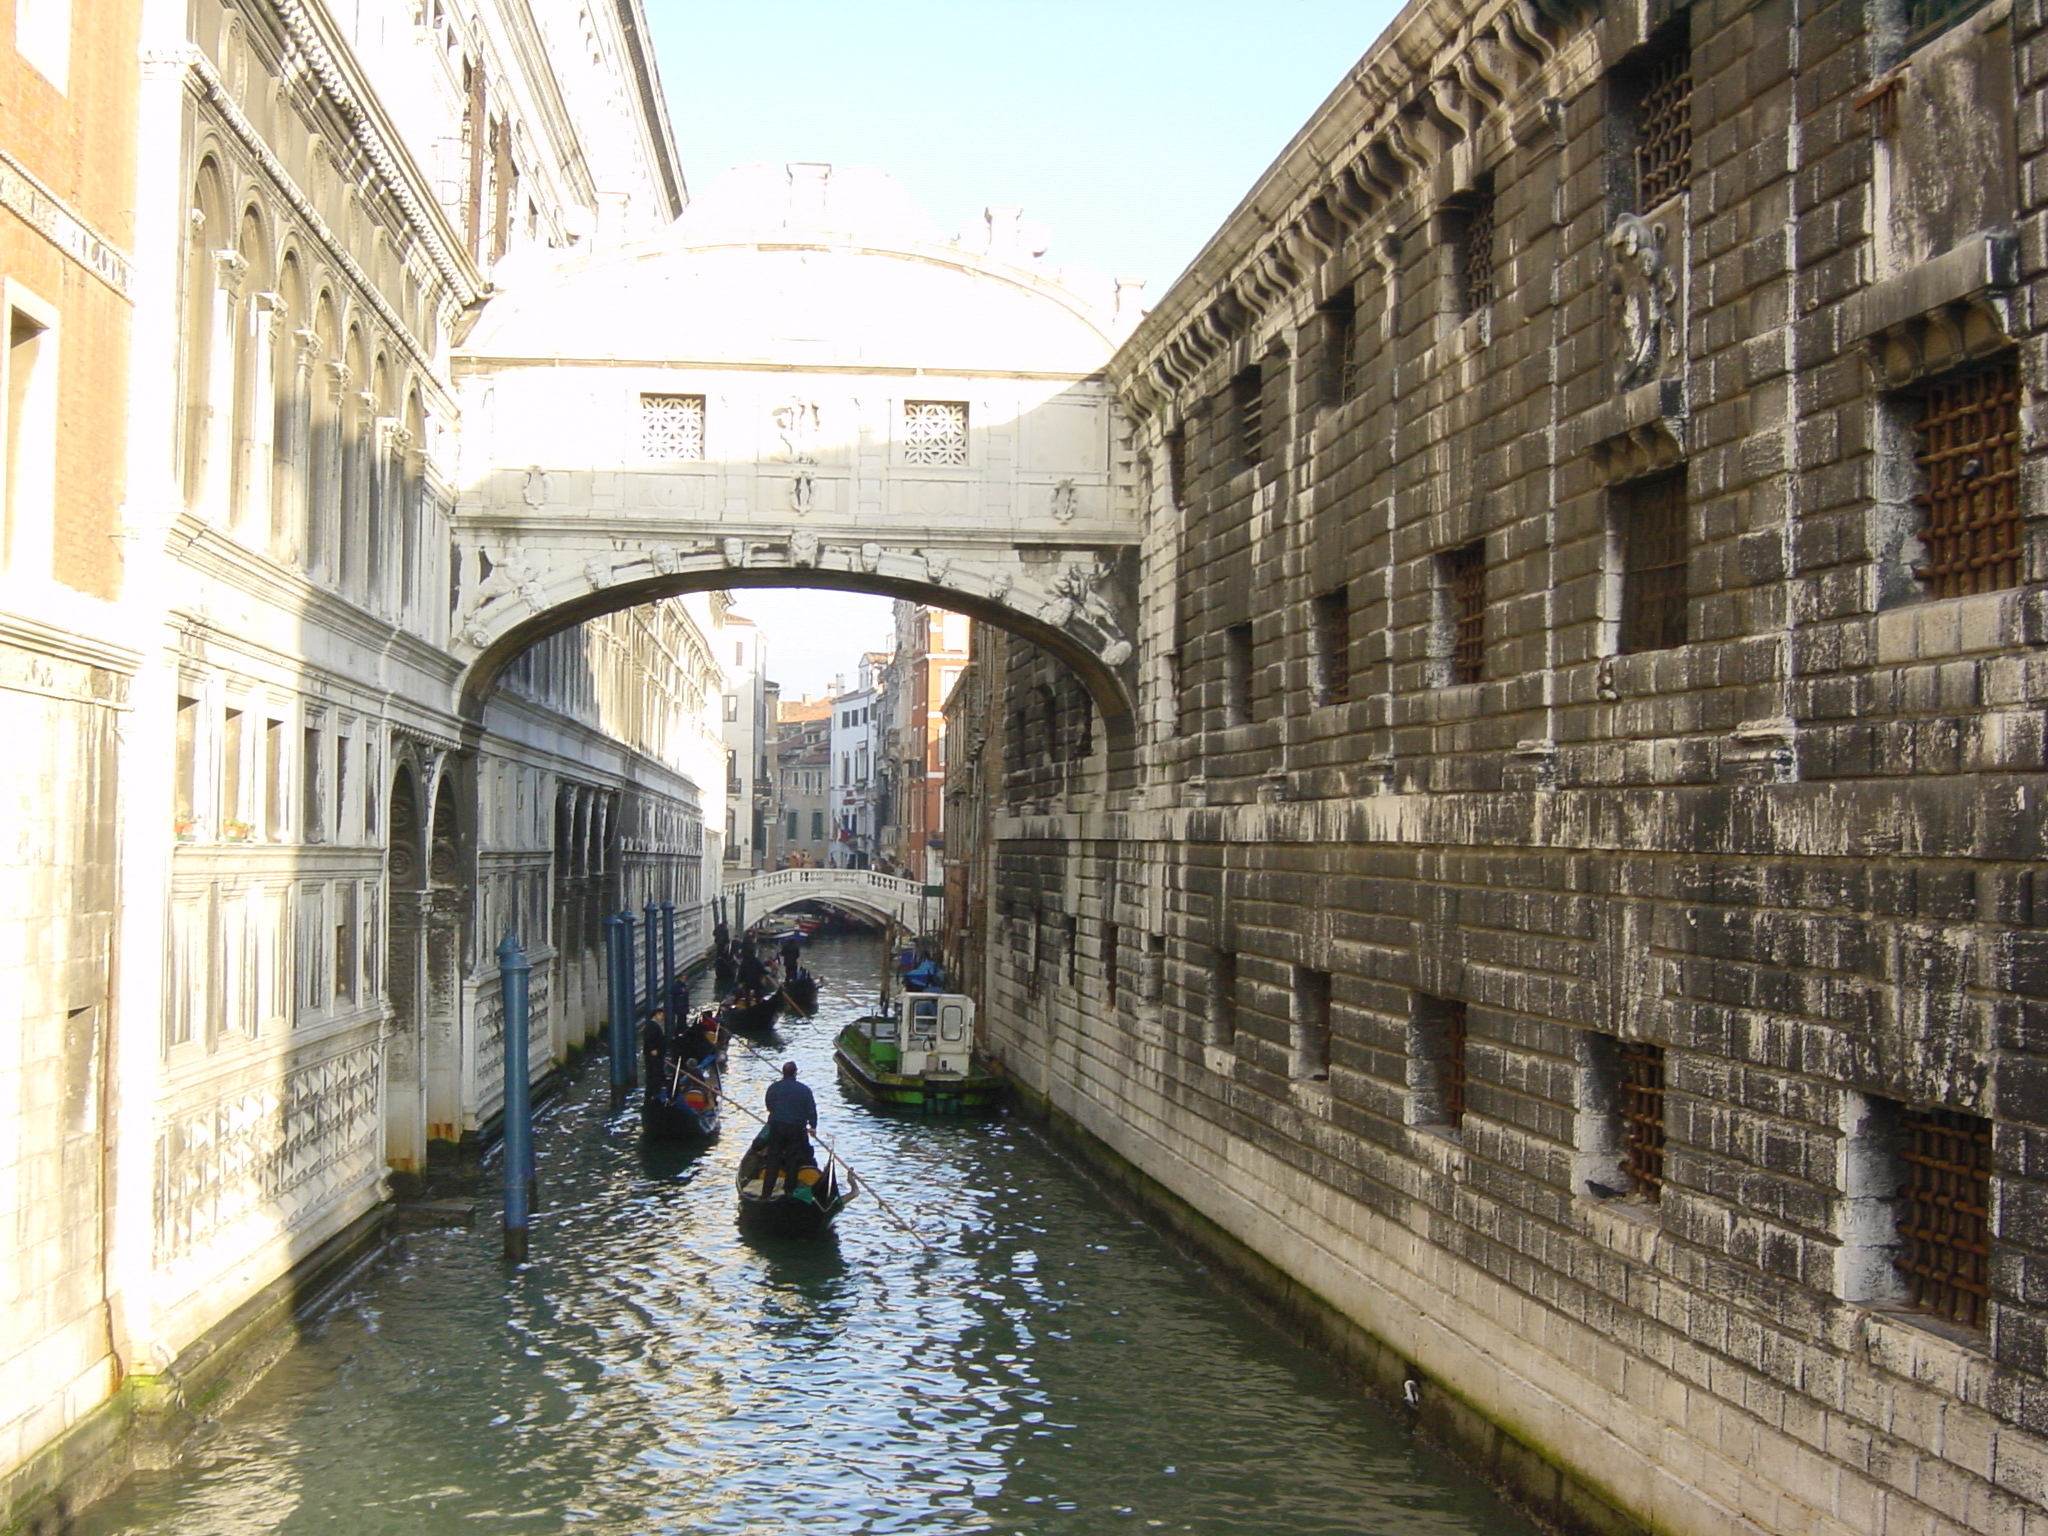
(801, 383)
(862, 890)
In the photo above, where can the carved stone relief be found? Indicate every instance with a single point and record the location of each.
(1645, 294)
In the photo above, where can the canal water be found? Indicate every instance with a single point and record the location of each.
(1032, 1361)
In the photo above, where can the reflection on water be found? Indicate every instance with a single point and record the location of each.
(1032, 1361)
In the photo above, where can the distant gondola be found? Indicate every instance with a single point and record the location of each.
(801, 992)
(755, 1016)
(806, 1211)
(684, 1107)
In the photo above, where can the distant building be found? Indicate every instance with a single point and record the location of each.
(749, 777)
(803, 758)
(931, 652)
(855, 779)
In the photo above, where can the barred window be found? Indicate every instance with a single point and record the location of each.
(1474, 247)
(1926, 18)
(1663, 147)
(1309, 1024)
(934, 432)
(1968, 449)
(1237, 675)
(1221, 1018)
(1248, 409)
(1642, 1117)
(1436, 1061)
(672, 427)
(1464, 626)
(1945, 1214)
(1177, 466)
(1650, 531)
(1332, 633)
(1340, 348)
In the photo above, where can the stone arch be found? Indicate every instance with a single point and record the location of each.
(447, 887)
(519, 605)
(405, 950)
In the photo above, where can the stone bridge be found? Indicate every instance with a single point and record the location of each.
(863, 890)
(801, 383)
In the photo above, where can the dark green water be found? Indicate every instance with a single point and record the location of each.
(1046, 1366)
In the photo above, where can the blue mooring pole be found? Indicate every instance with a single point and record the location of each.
(514, 975)
(618, 936)
(652, 933)
(668, 964)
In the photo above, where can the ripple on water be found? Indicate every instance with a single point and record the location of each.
(1046, 1366)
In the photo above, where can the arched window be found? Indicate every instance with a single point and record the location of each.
(323, 460)
(291, 424)
(353, 501)
(412, 506)
(206, 231)
(249, 323)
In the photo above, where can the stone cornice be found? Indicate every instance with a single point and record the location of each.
(1430, 83)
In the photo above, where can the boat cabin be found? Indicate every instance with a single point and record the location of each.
(929, 1032)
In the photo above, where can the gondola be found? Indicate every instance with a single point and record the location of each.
(685, 1106)
(801, 992)
(808, 1211)
(756, 1016)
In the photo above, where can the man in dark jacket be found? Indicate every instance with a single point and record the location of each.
(792, 1116)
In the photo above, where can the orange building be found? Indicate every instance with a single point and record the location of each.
(68, 82)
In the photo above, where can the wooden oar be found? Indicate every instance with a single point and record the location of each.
(783, 992)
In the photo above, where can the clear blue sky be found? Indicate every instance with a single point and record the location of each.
(1130, 128)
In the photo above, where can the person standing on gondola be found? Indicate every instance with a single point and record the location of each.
(792, 1118)
(792, 959)
(654, 1048)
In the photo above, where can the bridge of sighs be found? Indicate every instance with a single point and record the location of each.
(801, 383)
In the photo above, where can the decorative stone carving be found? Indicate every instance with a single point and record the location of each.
(803, 492)
(733, 551)
(230, 270)
(666, 559)
(871, 557)
(803, 547)
(535, 491)
(1645, 293)
(1078, 594)
(936, 564)
(999, 585)
(1066, 501)
(597, 570)
(797, 422)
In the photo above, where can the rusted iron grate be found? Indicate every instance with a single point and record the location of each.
(1465, 586)
(1945, 1217)
(1664, 130)
(1642, 1117)
(1653, 563)
(1248, 397)
(1454, 1061)
(1969, 454)
(1475, 255)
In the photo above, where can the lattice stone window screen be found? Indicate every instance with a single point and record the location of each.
(934, 432)
(1945, 1214)
(672, 426)
(1664, 130)
(1642, 1117)
(1968, 441)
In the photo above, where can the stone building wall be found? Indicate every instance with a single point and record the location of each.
(266, 851)
(1569, 915)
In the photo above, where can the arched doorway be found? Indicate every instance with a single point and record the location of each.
(405, 1120)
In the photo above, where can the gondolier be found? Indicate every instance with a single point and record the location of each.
(792, 1116)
